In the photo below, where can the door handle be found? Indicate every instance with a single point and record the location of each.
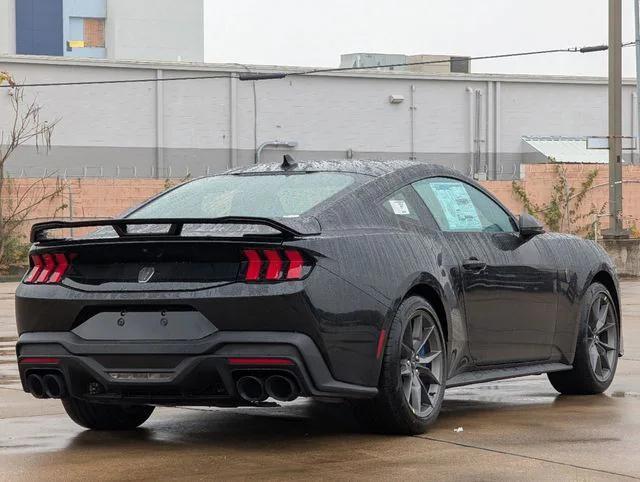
(474, 264)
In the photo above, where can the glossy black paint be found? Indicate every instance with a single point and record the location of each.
(506, 300)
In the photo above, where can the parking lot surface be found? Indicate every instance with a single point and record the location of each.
(514, 429)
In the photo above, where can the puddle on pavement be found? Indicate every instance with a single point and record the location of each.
(619, 394)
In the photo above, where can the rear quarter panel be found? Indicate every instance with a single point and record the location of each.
(386, 264)
(579, 261)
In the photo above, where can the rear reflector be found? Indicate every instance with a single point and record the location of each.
(260, 361)
(274, 265)
(48, 268)
(381, 339)
(40, 361)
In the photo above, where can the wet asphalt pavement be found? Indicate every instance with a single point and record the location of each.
(514, 429)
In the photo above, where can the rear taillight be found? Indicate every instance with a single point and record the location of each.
(47, 268)
(274, 265)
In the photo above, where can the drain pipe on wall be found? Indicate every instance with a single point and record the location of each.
(471, 145)
(289, 144)
(412, 110)
(636, 4)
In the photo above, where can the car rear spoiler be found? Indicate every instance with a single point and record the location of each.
(288, 227)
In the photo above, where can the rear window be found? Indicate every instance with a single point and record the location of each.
(263, 195)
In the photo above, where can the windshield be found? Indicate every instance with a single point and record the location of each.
(262, 195)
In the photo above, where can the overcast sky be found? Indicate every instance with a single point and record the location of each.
(316, 32)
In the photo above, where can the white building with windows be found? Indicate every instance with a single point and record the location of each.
(160, 30)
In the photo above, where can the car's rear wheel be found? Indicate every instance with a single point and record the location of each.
(597, 347)
(412, 380)
(98, 416)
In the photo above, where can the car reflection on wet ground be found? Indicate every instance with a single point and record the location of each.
(511, 429)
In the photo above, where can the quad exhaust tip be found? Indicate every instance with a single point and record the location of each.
(251, 389)
(35, 385)
(281, 388)
(47, 386)
(54, 386)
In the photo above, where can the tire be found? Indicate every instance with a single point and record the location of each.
(396, 409)
(98, 416)
(597, 347)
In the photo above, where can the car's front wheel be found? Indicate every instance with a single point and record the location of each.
(98, 416)
(412, 380)
(597, 347)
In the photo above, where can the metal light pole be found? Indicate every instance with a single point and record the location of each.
(615, 121)
(636, 5)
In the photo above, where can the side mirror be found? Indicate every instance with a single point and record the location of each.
(529, 226)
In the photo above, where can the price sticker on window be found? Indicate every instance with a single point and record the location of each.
(399, 207)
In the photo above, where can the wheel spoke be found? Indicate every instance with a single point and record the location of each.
(605, 328)
(426, 392)
(406, 387)
(428, 358)
(416, 332)
(408, 352)
(604, 345)
(416, 394)
(428, 375)
(425, 339)
(602, 318)
(604, 360)
(405, 368)
(593, 356)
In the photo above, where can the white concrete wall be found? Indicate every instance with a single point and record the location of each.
(163, 30)
(7, 27)
(188, 124)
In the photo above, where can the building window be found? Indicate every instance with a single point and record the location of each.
(94, 32)
(86, 33)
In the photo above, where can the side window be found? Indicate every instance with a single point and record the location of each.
(400, 204)
(457, 206)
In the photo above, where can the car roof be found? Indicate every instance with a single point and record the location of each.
(374, 168)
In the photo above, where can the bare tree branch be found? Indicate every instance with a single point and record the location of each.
(25, 128)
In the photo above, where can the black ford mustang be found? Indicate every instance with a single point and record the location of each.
(381, 283)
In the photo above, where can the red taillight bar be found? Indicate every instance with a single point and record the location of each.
(278, 265)
(48, 268)
(61, 266)
(40, 361)
(295, 264)
(254, 266)
(260, 361)
(36, 259)
(274, 265)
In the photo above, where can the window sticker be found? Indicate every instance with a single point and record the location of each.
(399, 207)
(457, 206)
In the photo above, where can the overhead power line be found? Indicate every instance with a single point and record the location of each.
(584, 50)
(119, 81)
(254, 76)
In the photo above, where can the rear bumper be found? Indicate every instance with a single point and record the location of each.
(196, 372)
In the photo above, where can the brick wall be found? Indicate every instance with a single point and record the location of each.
(539, 180)
(84, 198)
(97, 198)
